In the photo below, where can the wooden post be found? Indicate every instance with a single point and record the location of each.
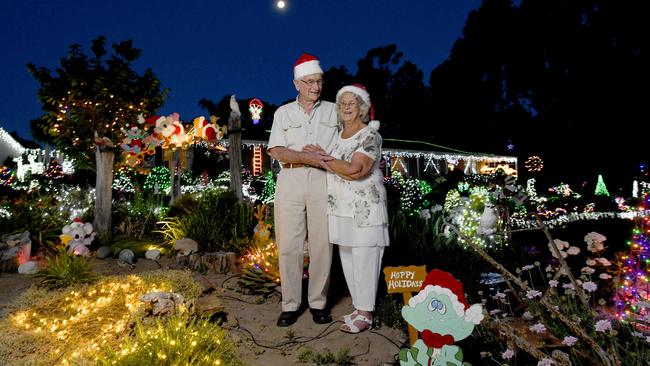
(405, 280)
(103, 191)
(234, 150)
(175, 172)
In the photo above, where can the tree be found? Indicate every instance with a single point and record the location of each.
(88, 102)
(542, 72)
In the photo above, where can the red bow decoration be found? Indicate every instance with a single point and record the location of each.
(436, 340)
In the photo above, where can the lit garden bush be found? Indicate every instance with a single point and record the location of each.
(178, 340)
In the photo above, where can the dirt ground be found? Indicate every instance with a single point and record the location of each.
(251, 321)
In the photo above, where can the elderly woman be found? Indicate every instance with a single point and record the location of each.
(358, 220)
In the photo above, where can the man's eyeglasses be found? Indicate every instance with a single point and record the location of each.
(311, 83)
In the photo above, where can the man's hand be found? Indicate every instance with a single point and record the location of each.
(314, 148)
(315, 155)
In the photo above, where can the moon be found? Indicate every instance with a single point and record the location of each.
(280, 4)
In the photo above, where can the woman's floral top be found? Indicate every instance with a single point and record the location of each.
(363, 199)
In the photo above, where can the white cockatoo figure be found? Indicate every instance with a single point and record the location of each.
(488, 220)
(234, 106)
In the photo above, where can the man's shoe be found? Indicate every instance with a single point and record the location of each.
(321, 316)
(287, 318)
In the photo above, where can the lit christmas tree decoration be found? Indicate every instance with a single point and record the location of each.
(158, 180)
(601, 189)
(123, 180)
(54, 170)
(633, 293)
(268, 193)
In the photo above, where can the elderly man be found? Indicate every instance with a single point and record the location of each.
(301, 195)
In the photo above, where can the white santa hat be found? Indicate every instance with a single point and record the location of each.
(360, 91)
(306, 65)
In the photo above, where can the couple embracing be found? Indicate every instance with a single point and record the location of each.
(329, 191)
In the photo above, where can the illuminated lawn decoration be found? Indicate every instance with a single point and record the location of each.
(158, 180)
(255, 107)
(534, 164)
(257, 161)
(72, 326)
(7, 176)
(413, 194)
(261, 272)
(601, 188)
(465, 213)
(268, 193)
(207, 131)
(136, 144)
(633, 293)
(170, 133)
(54, 170)
(124, 179)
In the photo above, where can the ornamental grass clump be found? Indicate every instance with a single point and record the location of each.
(216, 220)
(66, 270)
(72, 325)
(177, 340)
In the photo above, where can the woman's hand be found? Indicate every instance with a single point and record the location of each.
(325, 166)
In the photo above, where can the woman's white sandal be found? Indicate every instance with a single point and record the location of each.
(348, 317)
(353, 328)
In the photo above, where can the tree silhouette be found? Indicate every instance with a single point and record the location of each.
(543, 74)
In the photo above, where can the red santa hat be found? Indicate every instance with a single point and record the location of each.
(445, 280)
(360, 91)
(306, 65)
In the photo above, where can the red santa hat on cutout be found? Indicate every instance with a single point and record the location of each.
(306, 65)
(360, 91)
(446, 280)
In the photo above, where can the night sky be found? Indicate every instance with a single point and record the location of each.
(210, 48)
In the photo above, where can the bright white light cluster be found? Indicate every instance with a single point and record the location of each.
(14, 148)
(519, 222)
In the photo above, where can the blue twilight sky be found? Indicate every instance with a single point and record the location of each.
(210, 48)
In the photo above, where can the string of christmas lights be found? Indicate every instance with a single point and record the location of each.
(633, 292)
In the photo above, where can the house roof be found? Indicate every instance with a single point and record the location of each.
(9, 147)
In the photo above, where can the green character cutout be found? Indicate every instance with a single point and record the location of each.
(442, 316)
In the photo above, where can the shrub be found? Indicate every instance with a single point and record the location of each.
(216, 220)
(38, 214)
(177, 340)
(138, 218)
(389, 312)
(66, 270)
